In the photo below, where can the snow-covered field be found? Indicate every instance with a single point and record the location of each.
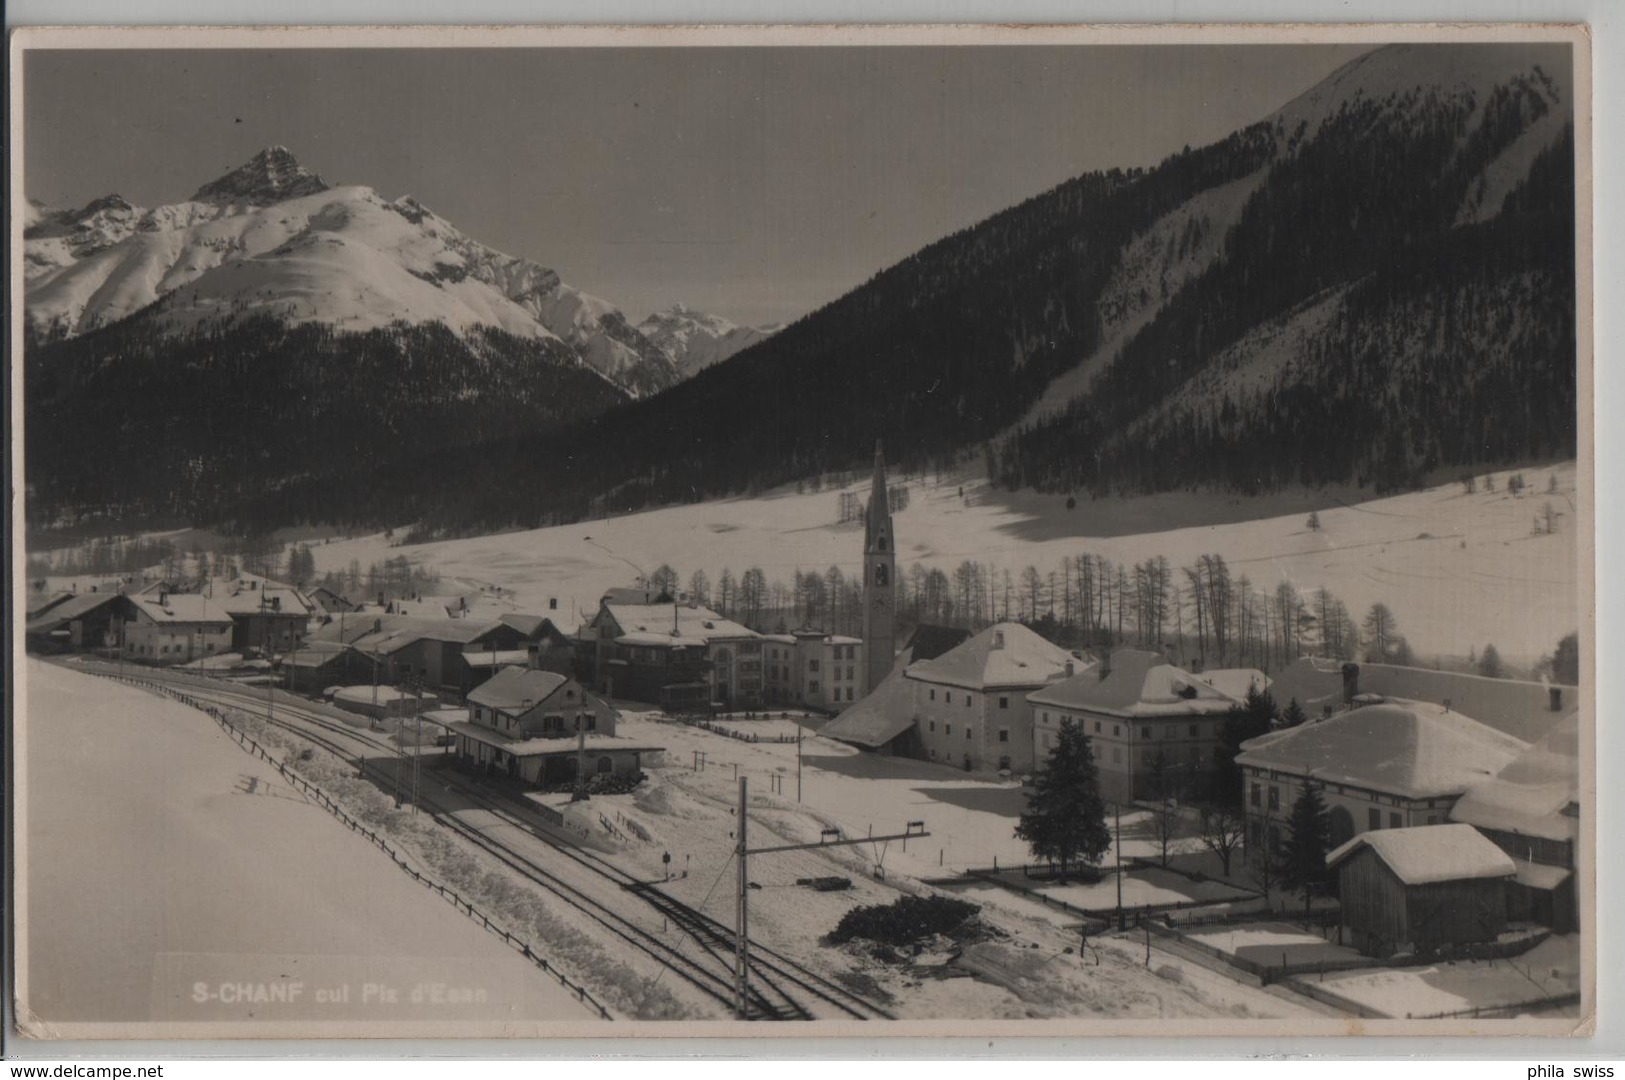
(1550, 969)
(157, 857)
(1273, 943)
(1457, 570)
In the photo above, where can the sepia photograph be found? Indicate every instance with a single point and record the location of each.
(846, 531)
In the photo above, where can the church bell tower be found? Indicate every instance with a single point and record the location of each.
(879, 581)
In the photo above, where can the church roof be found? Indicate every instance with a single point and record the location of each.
(883, 714)
(877, 530)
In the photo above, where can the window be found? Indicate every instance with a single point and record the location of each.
(947, 729)
(933, 755)
(849, 693)
(1395, 820)
(1004, 734)
(1045, 715)
(812, 665)
(933, 695)
(1004, 703)
(1255, 796)
(933, 725)
(968, 730)
(1373, 818)
(1145, 731)
(1433, 819)
(967, 701)
(1116, 731)
(552, 603)
(1196, 731)
(1097, 727)
(1275, 797)
(1004, 763)
(812, 687)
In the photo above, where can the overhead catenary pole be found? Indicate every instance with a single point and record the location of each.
(742, 853)
(1117, 846)
(741, 913)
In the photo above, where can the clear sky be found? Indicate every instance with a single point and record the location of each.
(756, 183)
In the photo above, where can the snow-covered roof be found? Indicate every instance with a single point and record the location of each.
(384, 634)
(1414, 749)
(1140, 683)
(1005, 655)
(482, 658)
(313, 654)
(516, 687)
(252, 595)
(658, 640)
(529, 625)
(679, 620)
(878, 717)
(564, 744)
(1539, 875)
(181, 608)
(1431, 853)
(1517, 707)
(70, 608)
(367, 695)
(1235, 682)
(1530, 796)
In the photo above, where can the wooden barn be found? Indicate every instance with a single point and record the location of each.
(1421, 889)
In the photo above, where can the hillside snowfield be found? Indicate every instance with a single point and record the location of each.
(160, 854)
(1458, 571)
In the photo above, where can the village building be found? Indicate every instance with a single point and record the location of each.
(1421, 890)
(1531, 811)
(882, 721)
(267, 616)
(332, 603)
(447, 657)
(811, 669)
(1523, 709)
(970, 705)
(82, 622)
(175, 628)
(317, 665)
(547, 647)
(683, 657)
(1382, 765)
(543, 728)
(780, 672)
(1155, 727)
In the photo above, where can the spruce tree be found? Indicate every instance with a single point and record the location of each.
(1293, 714)
(1303, 856)
(1066, 816)
(1253, 717)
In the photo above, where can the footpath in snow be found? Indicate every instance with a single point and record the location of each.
(165, 876)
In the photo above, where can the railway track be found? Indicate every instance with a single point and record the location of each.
(778, 983)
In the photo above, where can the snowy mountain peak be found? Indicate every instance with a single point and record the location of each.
(696, 339)
(270, 176)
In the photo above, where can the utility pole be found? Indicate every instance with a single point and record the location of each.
(1117, 846)
(800, 734)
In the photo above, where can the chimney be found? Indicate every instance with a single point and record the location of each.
(1351, 683)
(380, 599)
(1554, 695)
(1105, 664)
(998, 639)
(377, 626)
(1071, 670)
(276, 603)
